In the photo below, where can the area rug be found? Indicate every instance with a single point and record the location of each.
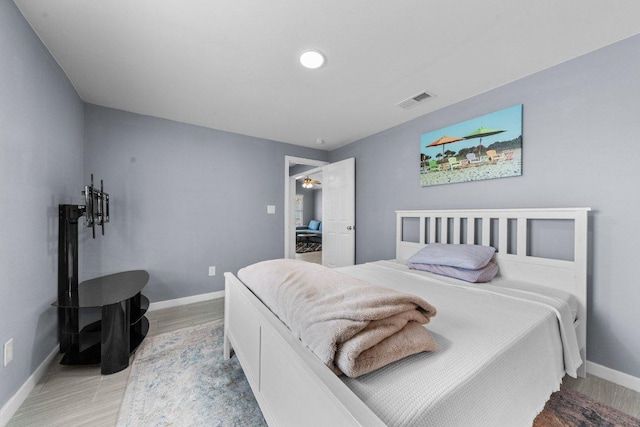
(567, 408)
(181, 379)
(302, 248)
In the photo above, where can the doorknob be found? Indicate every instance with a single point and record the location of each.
(349, 227)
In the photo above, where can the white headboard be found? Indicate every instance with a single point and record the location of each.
(513, 228)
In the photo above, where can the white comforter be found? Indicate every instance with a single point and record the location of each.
(501, 354)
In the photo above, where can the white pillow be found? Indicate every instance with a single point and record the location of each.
(481, 275)
(471, 257)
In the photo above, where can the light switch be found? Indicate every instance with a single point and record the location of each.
(271, 209)
(8, 352)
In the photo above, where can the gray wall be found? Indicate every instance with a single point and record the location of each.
(308, 202)
(41, 122)
(580, 136)
(183, 198)
(312, 203)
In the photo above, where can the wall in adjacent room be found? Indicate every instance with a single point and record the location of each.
(317, 195)
(41, 138)
(183, 198)
(308, 202)
(580, 148)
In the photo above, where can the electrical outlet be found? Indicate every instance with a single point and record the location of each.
(212, 271)
(8, 352)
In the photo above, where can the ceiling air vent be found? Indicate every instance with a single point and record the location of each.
(414, 100)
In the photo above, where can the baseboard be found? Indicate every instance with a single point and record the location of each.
(186, 300)
(12, 406)
(614, 376)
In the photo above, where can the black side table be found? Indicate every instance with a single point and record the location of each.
(122, 327)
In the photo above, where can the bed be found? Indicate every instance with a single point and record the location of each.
(502, 377)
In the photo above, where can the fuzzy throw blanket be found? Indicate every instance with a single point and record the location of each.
(351, 325)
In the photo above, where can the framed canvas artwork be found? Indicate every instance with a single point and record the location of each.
(486, 147)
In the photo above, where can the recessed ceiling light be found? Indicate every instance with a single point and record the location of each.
(312, 59)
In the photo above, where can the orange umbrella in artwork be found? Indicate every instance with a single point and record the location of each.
(443, 140)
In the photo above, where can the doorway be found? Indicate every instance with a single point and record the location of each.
(337, 209)
(308, 216)
(296, 168)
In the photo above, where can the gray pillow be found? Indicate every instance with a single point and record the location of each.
(471, 257)
(484, 274)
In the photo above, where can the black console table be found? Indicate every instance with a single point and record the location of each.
(110, 340)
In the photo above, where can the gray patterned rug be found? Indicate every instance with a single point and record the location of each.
(302, 248)
(568, 408)
(181, 379)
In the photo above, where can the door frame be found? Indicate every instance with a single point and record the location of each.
(289, 200)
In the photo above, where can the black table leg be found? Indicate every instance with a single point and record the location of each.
(115, 336)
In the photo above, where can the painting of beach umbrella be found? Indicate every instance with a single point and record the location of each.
(482, 132)
(502, 134)
(443, 140)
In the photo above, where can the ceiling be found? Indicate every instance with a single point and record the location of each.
(233, 64)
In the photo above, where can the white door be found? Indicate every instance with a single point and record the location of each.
(338, 213)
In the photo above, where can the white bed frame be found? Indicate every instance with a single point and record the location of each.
(294, 388)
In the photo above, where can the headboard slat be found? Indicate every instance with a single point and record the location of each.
(523, 240)
(432, 230)
(486, 231)
(471, 230)
(444, 229)
(456, 229)
(503, 234)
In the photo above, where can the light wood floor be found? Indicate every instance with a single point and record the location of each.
(607, 392)
(315, 257)
(72, 396)
(79, 396)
